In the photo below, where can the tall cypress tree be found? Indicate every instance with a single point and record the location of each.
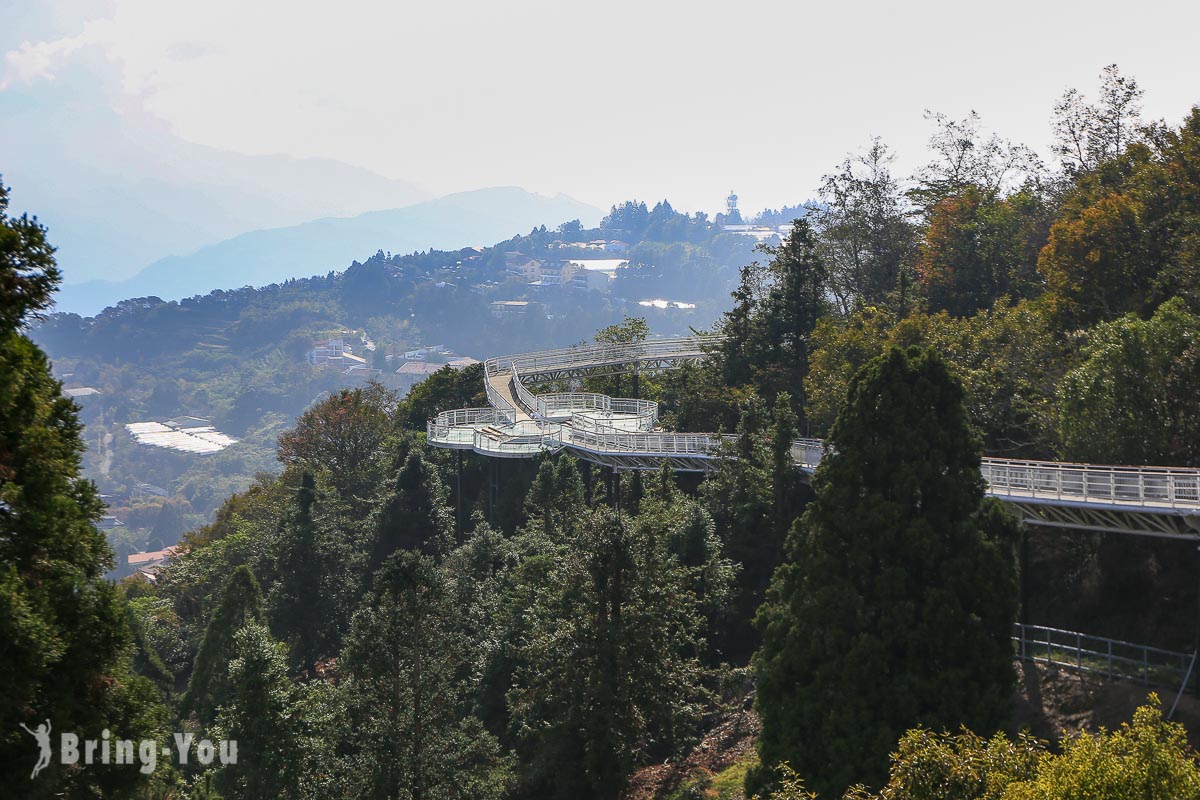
(241, 604)
(895, 603)
(259, 716)
(409, 691)
(738, 495)
(794, 303)
(64, 632)
(298, 606)
(414, 514)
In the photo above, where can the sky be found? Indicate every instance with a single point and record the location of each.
(601, 101)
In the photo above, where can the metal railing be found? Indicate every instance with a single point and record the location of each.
(440, 426)
(500, 402)
(807, 453)
(591, 355)
(520, 439)
(564, 403)
(1112, 658)
(1146, 488)
(646, 411)
(523, 395)
(1143, 486)
(613, 441)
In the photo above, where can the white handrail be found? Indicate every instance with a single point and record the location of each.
(590, 355)
(1174, 487)
(592, 430)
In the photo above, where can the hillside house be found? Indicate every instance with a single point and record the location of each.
(334, 352)
(522, 266)
(502, 309)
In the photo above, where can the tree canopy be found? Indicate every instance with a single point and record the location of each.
(896, 597)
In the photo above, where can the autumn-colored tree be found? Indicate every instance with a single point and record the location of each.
(1094, 262)
(978, 248)
(1125, 239)
(343, 436)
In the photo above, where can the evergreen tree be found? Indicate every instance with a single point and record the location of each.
(241, 604)
(692, 539)
(556, 495)
(609, 671)
(785, 478)
(64, 631)
(895, 604)
(664, 482)
(541, 501)
(409, 694)
(736, 351)
(297, 602)
(414, 514)
(258, 716)
(795, 301)
(739, 497)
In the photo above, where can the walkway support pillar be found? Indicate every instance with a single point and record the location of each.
(1023, 574)
(458, 495)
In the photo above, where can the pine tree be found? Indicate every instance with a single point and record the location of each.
(794, 303)
(556, 495)
(785, 478)
(739, 497)
(895, 604)
(608, 669)
(414, 514)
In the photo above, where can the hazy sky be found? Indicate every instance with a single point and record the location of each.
(602, 101)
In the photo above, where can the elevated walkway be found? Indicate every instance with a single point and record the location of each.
(623, 433)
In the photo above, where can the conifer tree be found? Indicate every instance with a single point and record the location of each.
(64, 631)
(414, 514)
(556, 495)
(739, 497)
(794, 303)
(895, 603)
(409, 691)
(785, 478)
(297, 602)
(241, 603)
(608, 668)
(258, 716)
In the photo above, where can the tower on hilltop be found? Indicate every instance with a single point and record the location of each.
(732, 215)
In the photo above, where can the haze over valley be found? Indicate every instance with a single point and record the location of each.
(599, 401)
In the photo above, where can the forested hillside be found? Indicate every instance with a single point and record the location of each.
(238, 358)
(384, 619)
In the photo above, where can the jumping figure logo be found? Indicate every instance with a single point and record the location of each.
(110, 749)
(42, 734)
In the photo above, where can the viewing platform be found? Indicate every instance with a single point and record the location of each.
(623, 433)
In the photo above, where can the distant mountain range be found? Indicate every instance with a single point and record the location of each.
(267, 256)
(119, 192)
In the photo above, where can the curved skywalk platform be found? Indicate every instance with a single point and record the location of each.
(623, 434)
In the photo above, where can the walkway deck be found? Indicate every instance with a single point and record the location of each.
(622, 433)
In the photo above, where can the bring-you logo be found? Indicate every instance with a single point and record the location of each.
(143, 754)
